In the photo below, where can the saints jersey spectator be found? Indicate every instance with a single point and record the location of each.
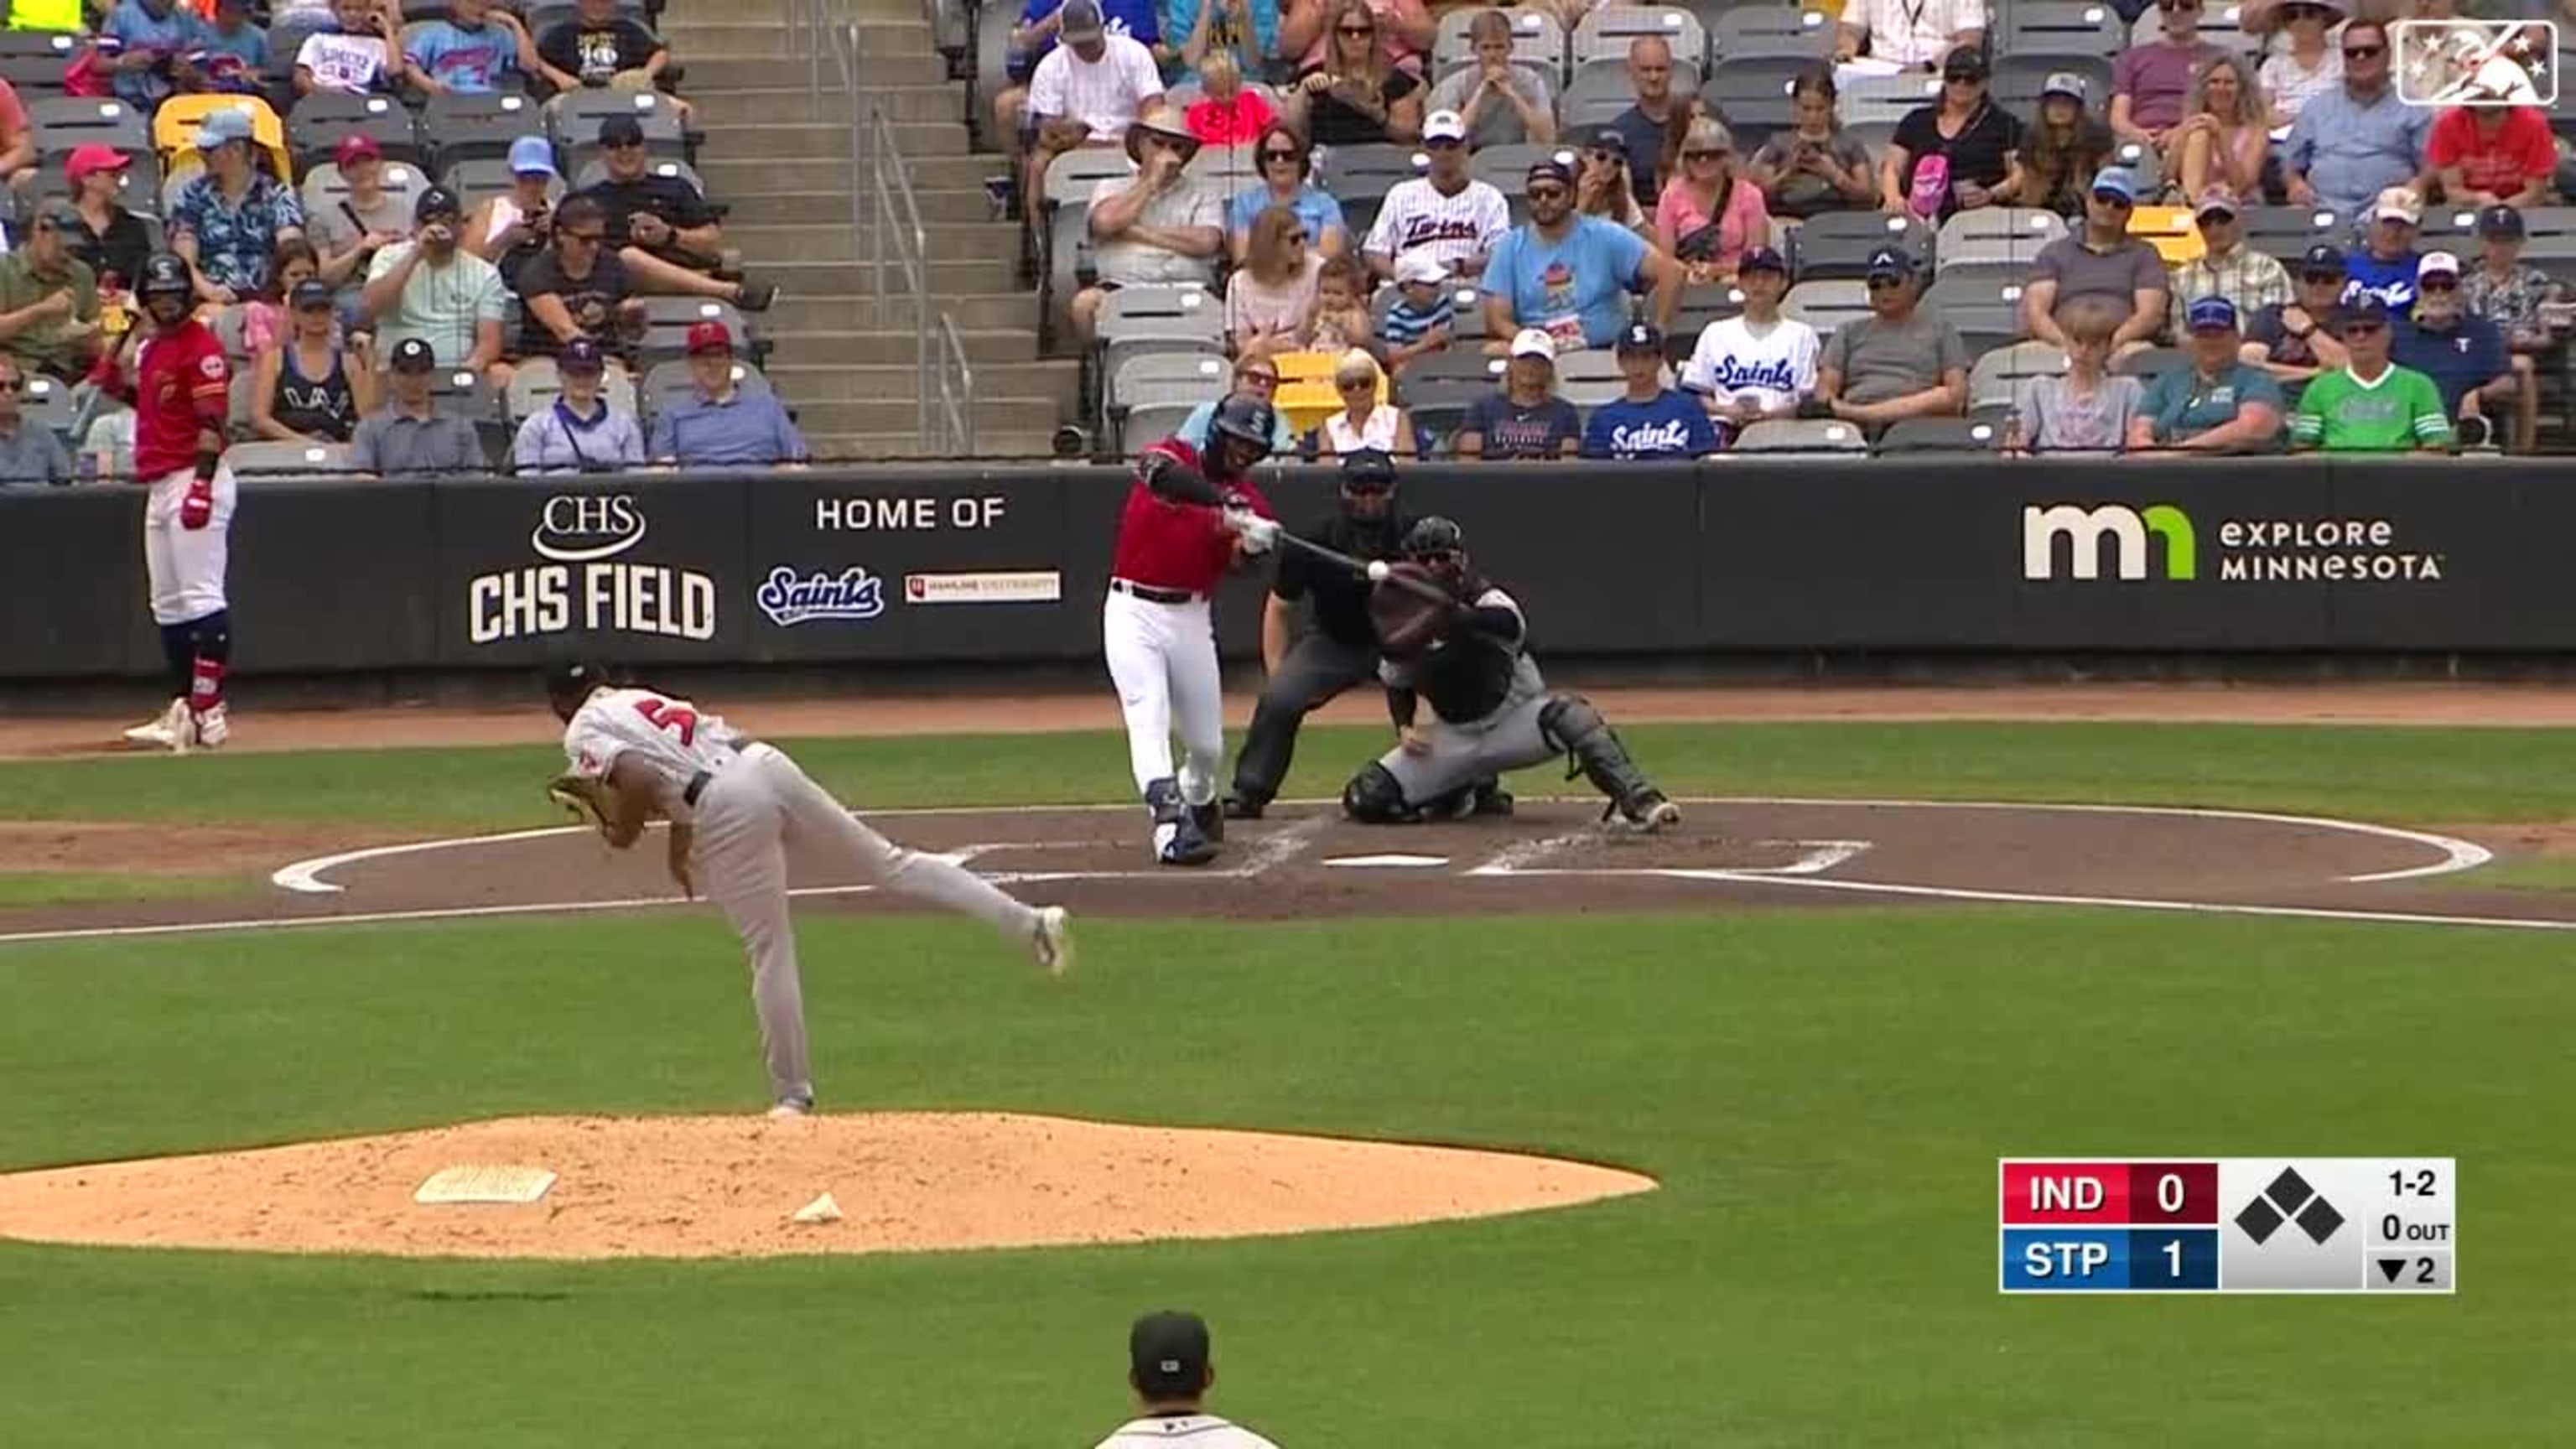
(1649, 420)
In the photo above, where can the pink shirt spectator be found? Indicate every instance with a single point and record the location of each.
(1252, 305)
(1747, 221)
(1238, 122)
(2156, 78)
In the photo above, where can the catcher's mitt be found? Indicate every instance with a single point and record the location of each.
(586, 798)
(1408, 616)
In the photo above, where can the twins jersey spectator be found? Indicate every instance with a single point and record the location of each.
(1454, 218)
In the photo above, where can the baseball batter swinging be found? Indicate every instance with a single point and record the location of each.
(1491, 712)
(182, 393)
(737, 807)
(1190, 516)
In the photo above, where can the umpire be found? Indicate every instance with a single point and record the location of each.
(1340, 651)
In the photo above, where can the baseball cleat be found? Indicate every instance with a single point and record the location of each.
(1187, 847)
(161, 732)
(1658, 814)
(1243, 807)
(209, 728)
(1492, 801)
(1052, 942)
(1210, 819)
(791, 1108)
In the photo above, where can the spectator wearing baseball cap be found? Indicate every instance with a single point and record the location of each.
(1356, 94)
(29, 452)
(1757, 365)
(2386, 262)
(1169, 1368)
(356, 57)
(113, 240)
(349, 231)
(2501, 289)
(1571, 275)
(2297, 339)
(413, 436)
(580, 431)
(1423, 318)
(49, 297)
(308, 388)
(2492, 155)
(1503, 104)
(1958, 153)
(227, 220)
(2064, 149)
(2465, 355)
(722, 424)
(2219, 404)
(432, 289)
(1901, 361)
(1814, 166)
(2100, 259)
(660, 226)
(1454, 217)
(508, 228)
(1649, 420)
(2370, 404)
(2358, 139)
(1524, 418)
(2227, 267)
(1158, 225)
(1087, 91)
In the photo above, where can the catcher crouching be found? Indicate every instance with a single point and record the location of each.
(1462, 651)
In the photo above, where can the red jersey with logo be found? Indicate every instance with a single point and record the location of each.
(181, 384)
(1167, 545)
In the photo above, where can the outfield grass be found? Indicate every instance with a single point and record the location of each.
(1822, 1095)
(2388, 774)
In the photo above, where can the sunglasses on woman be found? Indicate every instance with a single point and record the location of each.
(1280, 156)
(2362, 52)
(1362, 31)
(1702, 155)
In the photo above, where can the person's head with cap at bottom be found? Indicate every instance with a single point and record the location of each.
(96, 175)
(2107, 205)
(413, 367)
(1368, 487)
(2439, 304)
(1640, 350)
(2393, 218)
(2215, 333)
(1529, 376)
(2215, 215)
(1169, 1367)
(710, 346)
(532, 174)
(2062, 101)
(1893, 283)
(582, 365)
(2317, 280)
(1605, 188)
(1444, 141)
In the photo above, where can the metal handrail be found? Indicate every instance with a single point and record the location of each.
(957, 406)
(895, 216)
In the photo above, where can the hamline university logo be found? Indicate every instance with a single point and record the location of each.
(2250, 550)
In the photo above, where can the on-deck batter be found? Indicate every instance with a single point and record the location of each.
(182, 393)
(736, 807)
(1177, 536)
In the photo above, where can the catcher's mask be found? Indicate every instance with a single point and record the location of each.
(1436, 543)
(571, 682)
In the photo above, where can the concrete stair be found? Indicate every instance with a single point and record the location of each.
(844, 355)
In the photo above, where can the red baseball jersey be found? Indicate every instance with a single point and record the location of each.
(181, 384)
(1167, 545)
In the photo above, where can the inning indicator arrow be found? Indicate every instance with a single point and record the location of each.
(2389, 1268)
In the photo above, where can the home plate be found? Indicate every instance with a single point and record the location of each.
(485, 1184)
(1398, 862)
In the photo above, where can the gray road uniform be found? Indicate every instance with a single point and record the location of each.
(1491, 712)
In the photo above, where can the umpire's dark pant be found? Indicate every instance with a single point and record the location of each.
(1317, 668)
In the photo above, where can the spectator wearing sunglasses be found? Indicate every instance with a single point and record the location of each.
(2101, 260)
(2465, 355)
(1256, 377)
(2297, 339)
(2370, 404)
(1270, 299)
(1901, 361)
(48, 297)
(2493, 155)
(2150, 82)
(1227, 112)
(2308, 64)
(1958, 153)
(1356, 95)
(1160, 226)
(1605, 188)
(1570, 275)
(1284, 165)
(2226, 266)
(1709, 216)
(1404, 31)
(2359, 139)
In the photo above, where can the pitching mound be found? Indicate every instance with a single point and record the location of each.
(723, 1187)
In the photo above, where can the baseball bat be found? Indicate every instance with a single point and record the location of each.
(1419, 588)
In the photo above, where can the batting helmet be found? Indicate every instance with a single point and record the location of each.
(164, 274)
(1245, 419)
(1433, 535)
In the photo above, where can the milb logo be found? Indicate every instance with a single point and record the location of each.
(2086, 530)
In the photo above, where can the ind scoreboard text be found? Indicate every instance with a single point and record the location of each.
(2230, 1225)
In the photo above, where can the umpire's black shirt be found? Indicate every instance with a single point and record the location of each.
(1341, 597)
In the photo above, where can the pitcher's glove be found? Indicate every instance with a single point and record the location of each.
(588, 800)
(1410, 619)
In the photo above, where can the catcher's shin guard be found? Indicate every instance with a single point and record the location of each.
(1571, 724)
(1373, 797)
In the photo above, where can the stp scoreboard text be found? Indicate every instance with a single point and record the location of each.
(2230, 1225)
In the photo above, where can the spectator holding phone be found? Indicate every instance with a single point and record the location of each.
(577, 288)
(509, 227)
(431, 289)
(471, 52)
(357, 58)
(1815, 166)
(349, 232)
(145, 44)
(236, 34)
(113, 240)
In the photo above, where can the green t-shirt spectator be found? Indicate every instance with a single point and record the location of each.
(2398, 413)
(2183, 404)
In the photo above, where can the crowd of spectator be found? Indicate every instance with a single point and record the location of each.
(370, 303)
(1621, 225)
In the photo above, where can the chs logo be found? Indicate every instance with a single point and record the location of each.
(2086, 529)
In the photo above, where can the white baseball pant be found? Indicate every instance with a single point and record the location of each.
(1163, 659)
(186, 565)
